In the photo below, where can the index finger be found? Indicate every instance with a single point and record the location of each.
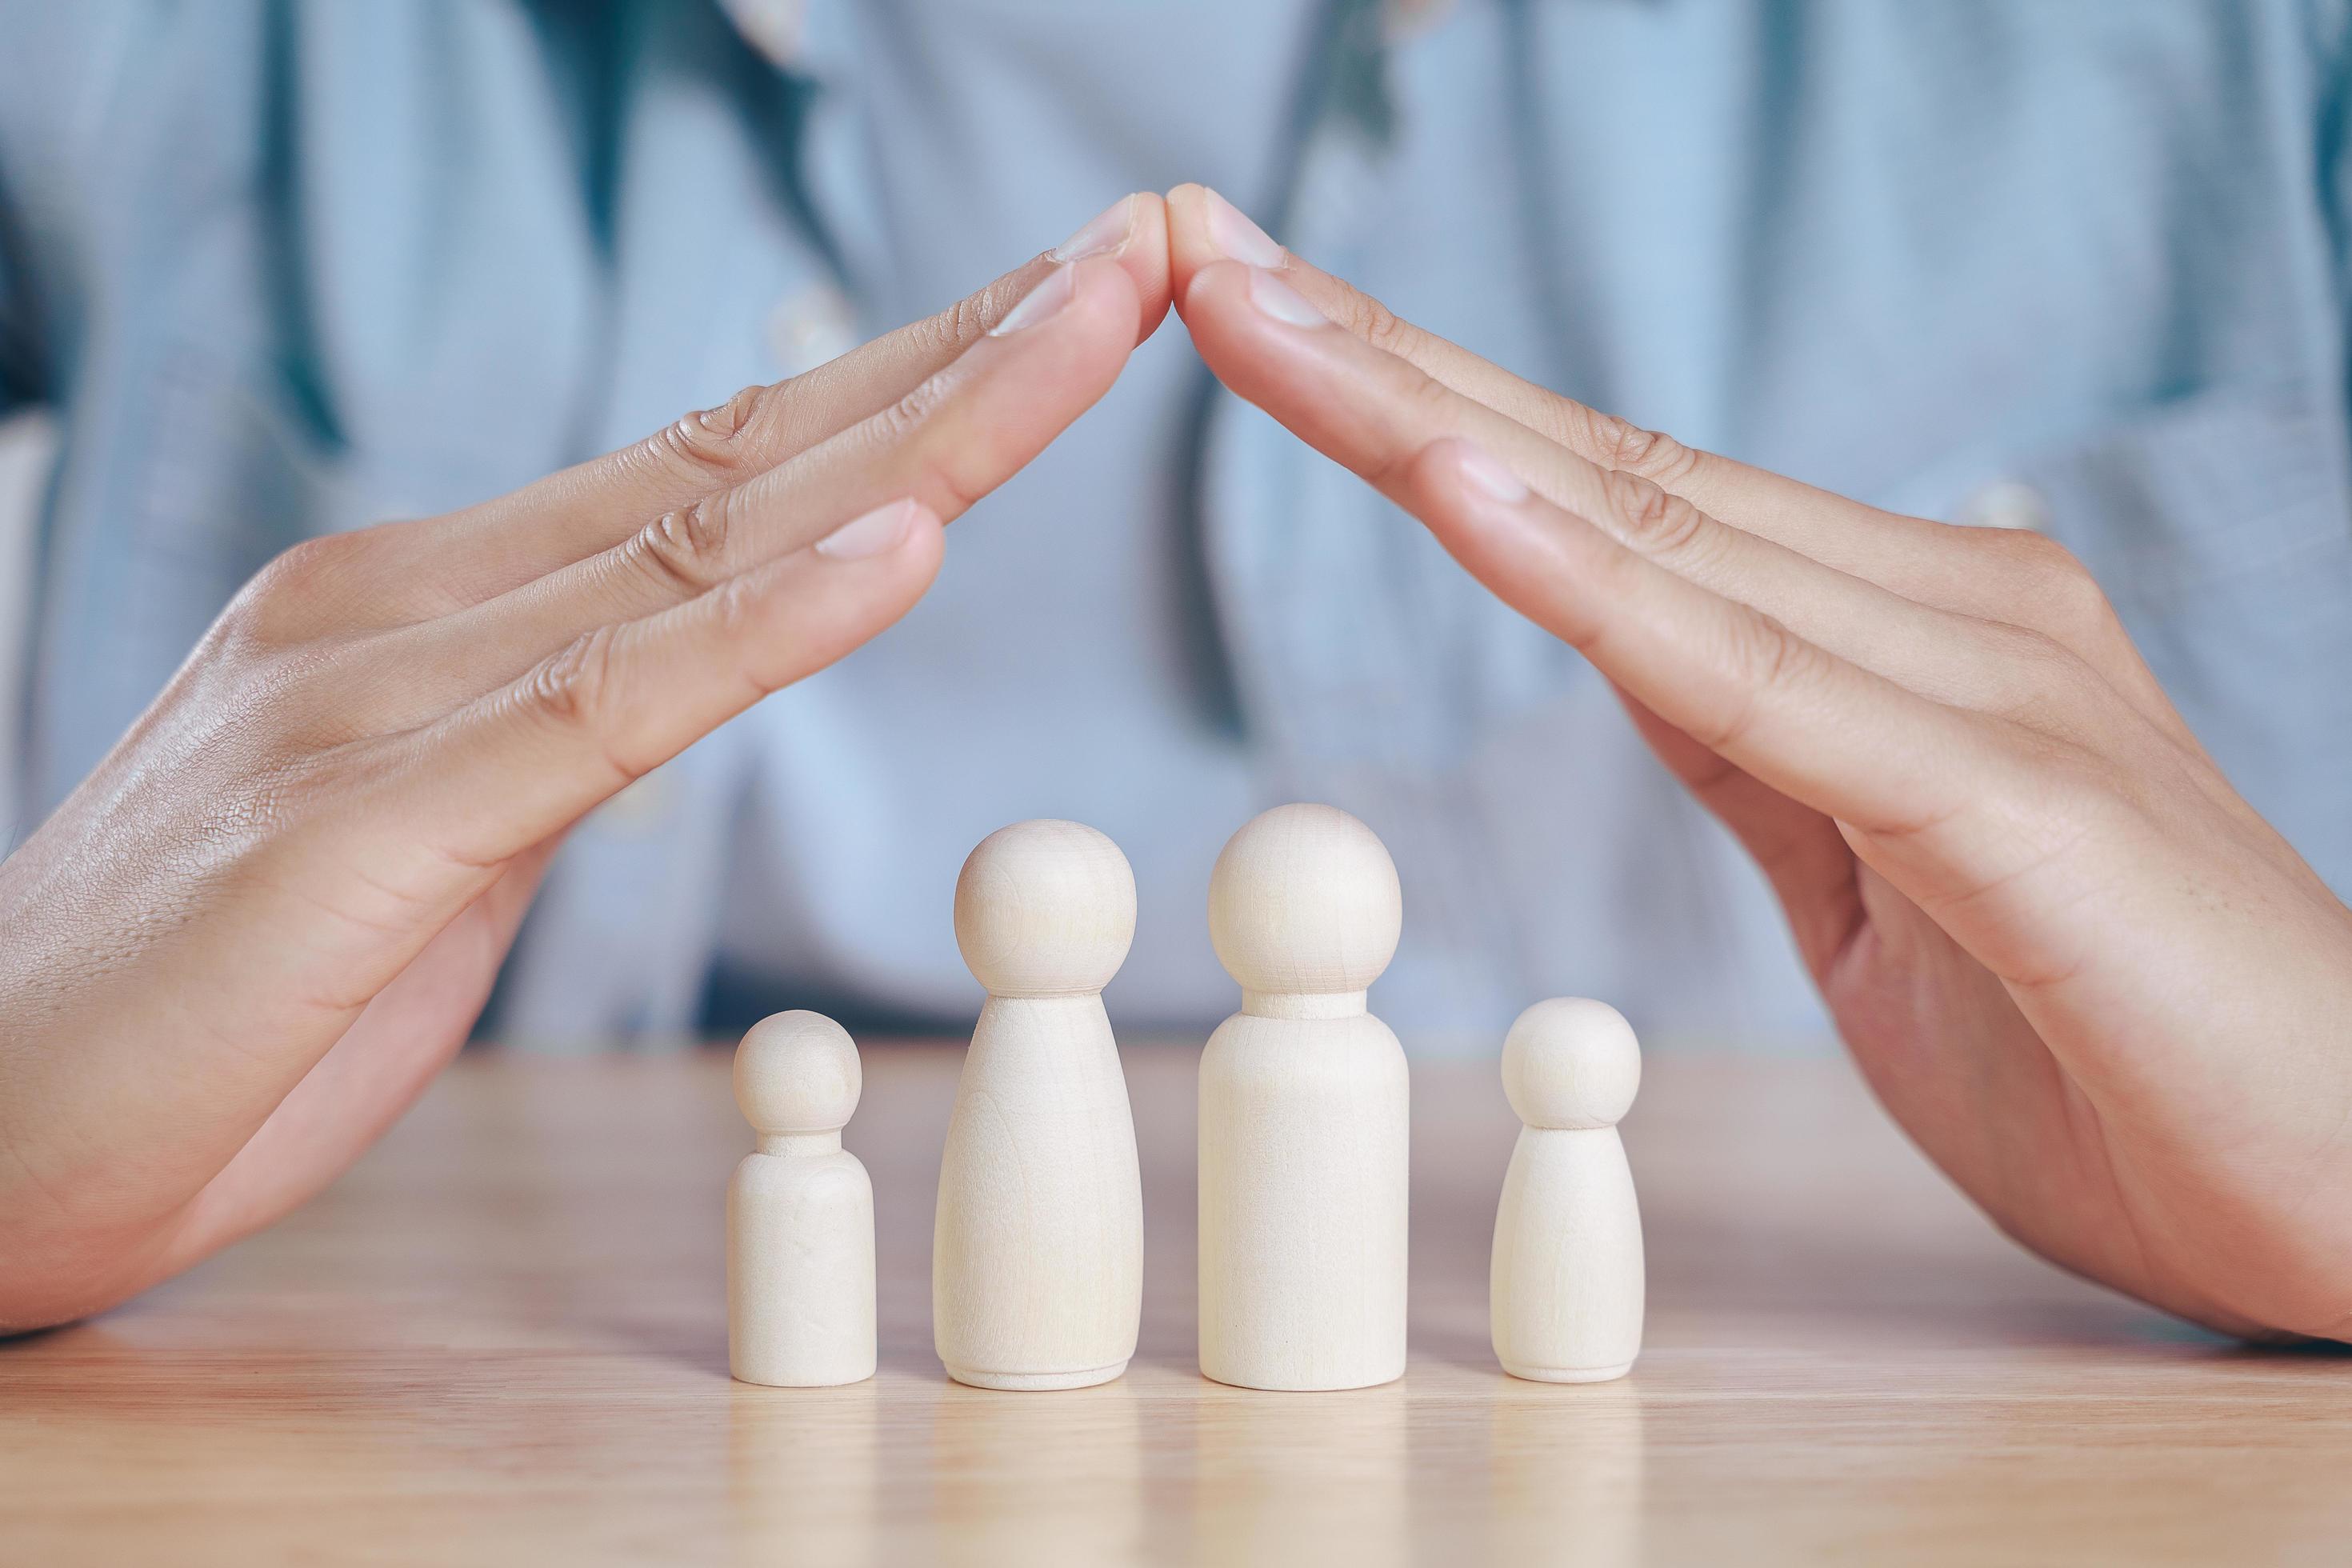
(575, 513)
(1908, 555)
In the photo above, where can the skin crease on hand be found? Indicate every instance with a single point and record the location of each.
(243, 946)
(2094, 984)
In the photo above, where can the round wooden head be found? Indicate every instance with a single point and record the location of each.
(1572, 1062)
(797, 1072)
(1044, 909)
(1303, 901)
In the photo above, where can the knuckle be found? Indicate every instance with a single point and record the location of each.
(956, 481)
(1378, 325)
(2079, 603)
(967, 321)
(685, 550)
(736, 606)
(2036, 558)
(1427, 406)
(956, 471)
(2050, 663)
(2031, 552)
(268, 609)
(1761, 656)
(1656, 522)
(1769, 652)
(2039, 681)
(1620, 444)
(914, 409)
(2031, 650)
(2066, 599)
(756, 625)
(567, 687)
(1432, 398)
(714, 443)
(572, 691)
(957, 327)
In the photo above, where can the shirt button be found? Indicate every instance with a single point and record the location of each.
(810, 326)
(2006, 503)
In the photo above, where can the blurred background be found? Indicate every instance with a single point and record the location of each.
(27, 447)
(276, 268)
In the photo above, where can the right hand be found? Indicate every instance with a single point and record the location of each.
(2104, 994)
(243, 946)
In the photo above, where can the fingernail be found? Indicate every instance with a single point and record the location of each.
(878, 533)
(1283, 302)
(1052, 292)
(1231, 231)
(1486, 471)
(1105, 234)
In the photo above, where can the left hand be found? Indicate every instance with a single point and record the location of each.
(2098, 989)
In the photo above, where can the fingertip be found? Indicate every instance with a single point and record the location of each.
(1189, 248)
(872, 534)
(1250, 351)
(1078, 309)
(1145, 260)
(906, 574)
(924, 528)
(876, 578)
(1132, 232)
(975, 424)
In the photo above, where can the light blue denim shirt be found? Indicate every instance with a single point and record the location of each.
(281, 267)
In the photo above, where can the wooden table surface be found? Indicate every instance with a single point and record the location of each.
(502, 1339)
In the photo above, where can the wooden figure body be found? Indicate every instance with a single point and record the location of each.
(800, 1212)
(1037, 1250)
(1567, 1279)
(1304, 1113)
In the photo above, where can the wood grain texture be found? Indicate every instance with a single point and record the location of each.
(502, 1339)
(1304, 1106)
(800, 1212)
(1564, 1290)
(1037, 1243)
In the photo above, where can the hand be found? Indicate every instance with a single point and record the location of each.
(243, 945)
(2097, 988)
